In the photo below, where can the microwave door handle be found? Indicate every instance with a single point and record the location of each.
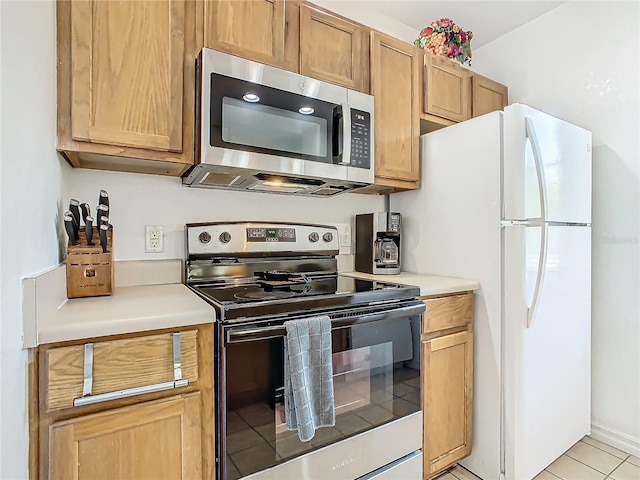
(345, 158)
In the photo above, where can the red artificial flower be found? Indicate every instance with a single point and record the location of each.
(426, 32)
(445, 22)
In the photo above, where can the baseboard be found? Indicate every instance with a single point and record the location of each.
(620, 440)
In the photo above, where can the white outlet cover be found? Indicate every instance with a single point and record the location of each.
(154, 239)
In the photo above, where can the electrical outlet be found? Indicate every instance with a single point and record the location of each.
(154, 239)
(344, 237)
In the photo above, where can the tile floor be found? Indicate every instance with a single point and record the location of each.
(588, 459)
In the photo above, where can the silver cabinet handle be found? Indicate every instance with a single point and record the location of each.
(88, 398)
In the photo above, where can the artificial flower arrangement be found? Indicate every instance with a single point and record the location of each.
(446, 39)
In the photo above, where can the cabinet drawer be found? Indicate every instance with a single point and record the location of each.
(117, 365)
(447, 312)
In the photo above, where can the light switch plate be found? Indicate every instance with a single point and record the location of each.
(344, 237)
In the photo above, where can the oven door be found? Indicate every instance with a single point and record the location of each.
(376, 377)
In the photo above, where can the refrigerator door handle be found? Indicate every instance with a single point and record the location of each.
(537, 157)
(542, 268)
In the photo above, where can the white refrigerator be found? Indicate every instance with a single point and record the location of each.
(505, 199)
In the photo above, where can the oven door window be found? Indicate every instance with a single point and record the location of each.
(255, 118)
(376, 377)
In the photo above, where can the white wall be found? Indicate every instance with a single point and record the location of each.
(580, 63)
(137, 200)
(30, 186)
(354, 10)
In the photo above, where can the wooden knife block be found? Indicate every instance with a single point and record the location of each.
(89, 271)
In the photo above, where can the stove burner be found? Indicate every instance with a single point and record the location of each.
(271, 295)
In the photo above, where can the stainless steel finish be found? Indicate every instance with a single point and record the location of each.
(88, 399)
(130, 392)
(239, 167)
(355, 456)
(362, 101)
(408, 467)
(177, 362)
(87, 384)
(346, 132)
(204, 271)
(378, 243)
(238, 239)
(235, 335)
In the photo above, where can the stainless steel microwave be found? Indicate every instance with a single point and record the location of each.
(261, 128)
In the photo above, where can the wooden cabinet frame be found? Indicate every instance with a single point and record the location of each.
(41, 418)
(447, 380)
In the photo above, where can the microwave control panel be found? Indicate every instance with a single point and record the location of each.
(360, 139)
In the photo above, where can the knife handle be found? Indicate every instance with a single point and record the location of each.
(104, 220)
(103, 237)
(103, 198)
(86, 211)
(75, 210)
(88, 229)
(102, 210)
(76, 227)
(70, 228)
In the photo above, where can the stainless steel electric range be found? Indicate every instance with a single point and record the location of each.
(259, 275)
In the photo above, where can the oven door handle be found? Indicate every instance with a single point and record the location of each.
(236, 335)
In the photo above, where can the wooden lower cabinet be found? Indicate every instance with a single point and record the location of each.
(155, 440)
(142, 417)
(447, 383)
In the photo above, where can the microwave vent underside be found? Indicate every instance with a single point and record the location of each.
(228, 179)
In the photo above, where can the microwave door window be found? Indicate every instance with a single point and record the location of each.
(272, 128)
(255, 118)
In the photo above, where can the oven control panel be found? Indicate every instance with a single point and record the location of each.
(246, 238)
(271, 234)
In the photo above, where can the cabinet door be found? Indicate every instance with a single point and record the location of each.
(447, 89)
(394, 85)
(159, 440)
(331, 49)
(252, 29)
(447, 384)
(127, 73)
(488, 95)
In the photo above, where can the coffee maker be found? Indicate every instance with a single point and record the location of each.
(378, 242)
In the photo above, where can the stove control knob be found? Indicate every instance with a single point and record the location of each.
(225, 237)
(327, 237)
(314, 237)
(204, 237)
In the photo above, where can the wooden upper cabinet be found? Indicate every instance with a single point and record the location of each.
(333, 49)
(126, 86)
(252, 29)
(396, 90)
(447, 89)
(488, 95)
(158, 439)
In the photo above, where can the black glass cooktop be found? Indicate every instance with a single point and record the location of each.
(299, 294)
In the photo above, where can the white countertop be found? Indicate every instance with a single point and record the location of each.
(50, 317)
(429, 284)
(148, 296)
